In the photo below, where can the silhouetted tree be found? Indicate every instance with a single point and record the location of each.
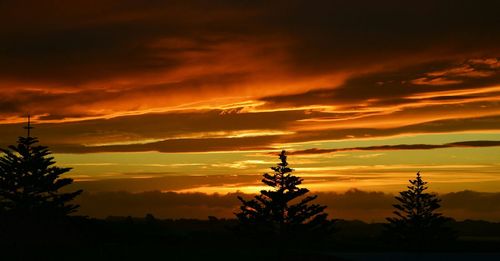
(274, 212)
(417, 225)
(30, 184)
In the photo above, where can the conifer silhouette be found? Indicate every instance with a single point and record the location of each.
(30, 183)
(417, 224)
(273, 211)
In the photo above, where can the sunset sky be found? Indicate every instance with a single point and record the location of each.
(199, 96)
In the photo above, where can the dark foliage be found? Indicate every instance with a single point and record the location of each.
(30, 184)
(33, 210)
(279, 211)
(417, 224)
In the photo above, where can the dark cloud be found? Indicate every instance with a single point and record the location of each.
(343, 34)
(188, 145)
(353, 204)
(89, 42)
(437, 126)
(77, 42)
(159, 126)
(162, 182)
(397, 87)
(41, 102)
(71, 137)
(163, 205)
(469, 144)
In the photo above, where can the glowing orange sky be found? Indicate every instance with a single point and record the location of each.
(167, 82)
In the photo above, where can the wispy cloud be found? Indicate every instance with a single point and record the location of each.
(467, 144)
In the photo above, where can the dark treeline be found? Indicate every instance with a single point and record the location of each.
(148, 238)
(38, 221)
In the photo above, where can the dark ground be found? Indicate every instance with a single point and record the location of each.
(119, 238)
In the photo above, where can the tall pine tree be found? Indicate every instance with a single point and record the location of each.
(30, 184)
(279, 211)
(417, 223)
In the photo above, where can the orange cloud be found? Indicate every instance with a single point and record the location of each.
(101, 61)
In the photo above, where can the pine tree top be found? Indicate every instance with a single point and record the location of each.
(417, 219)
(280, 210)
(30, 182)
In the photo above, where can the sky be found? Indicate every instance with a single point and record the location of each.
(200, 96)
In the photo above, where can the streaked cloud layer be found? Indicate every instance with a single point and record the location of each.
(188, 78)
(466, 144)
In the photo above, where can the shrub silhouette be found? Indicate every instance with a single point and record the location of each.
(273, 212)
(30, 183)
(417, 225)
